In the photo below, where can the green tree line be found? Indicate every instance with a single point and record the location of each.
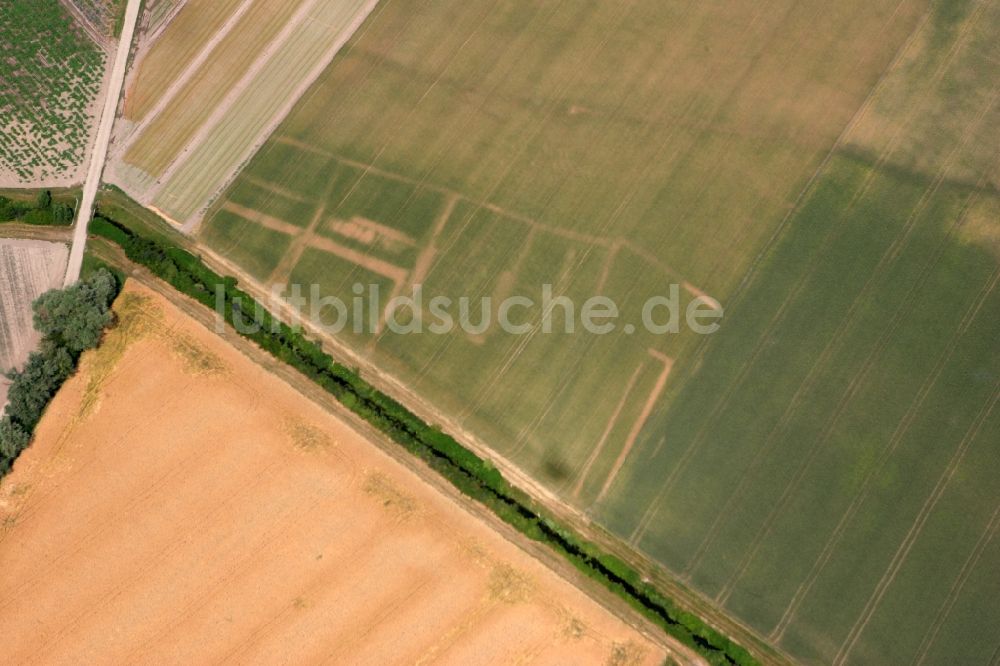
(473, 476)
(71, 321)
(42, 211)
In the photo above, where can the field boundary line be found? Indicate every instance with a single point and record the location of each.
(225, 105)
(323, 62)
(82, 22)
(596, 451)
(866, 103)
(300, 239)
(939, 73)
(647, 409)
(154, 36)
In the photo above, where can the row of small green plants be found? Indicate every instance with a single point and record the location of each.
(71, 321)
(50, 73)
(42, 211)
(472, 475)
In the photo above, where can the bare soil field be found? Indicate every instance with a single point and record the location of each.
(28, 268)
(180, 504)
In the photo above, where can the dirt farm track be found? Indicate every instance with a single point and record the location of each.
(182, 505)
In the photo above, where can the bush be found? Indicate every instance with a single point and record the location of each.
(8, 210)
(43, 211)
(70, 320)
(13, 439)
(44, 200)
(75, 317)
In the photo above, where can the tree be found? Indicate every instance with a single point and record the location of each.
(8, 211)
(34, 386)
(75, 317)
(44, 200)
(62, 213)
(13, 440)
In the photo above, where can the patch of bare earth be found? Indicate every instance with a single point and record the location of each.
(182, 505)
(28, 268)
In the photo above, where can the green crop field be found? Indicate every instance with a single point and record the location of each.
(50, 74)
(828, 471)
(827, 172)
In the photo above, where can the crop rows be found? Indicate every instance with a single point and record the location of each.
(49, 77)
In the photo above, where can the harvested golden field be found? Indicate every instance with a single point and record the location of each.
(182, 505)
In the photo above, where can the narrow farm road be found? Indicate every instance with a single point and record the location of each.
(100, 151)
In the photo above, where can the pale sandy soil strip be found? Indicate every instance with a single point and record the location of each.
(609, 262)
(373, 264)
(216, 182)
(276, 189)
(168, 95)
(698, 293)
(263, 219)
(595, 454)
(100, 151)
(377, 229)
(647, 409)
(612, 244)
(224, 107)
(167, 217)
(299, 242)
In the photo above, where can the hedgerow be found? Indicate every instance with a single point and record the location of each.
(470, 474)
(71, 321)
